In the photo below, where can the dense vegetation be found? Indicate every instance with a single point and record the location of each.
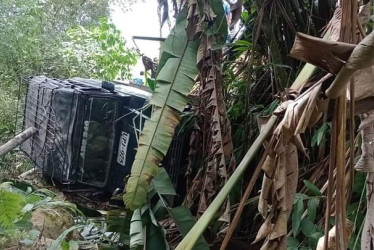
(236, 85)
(59, 39)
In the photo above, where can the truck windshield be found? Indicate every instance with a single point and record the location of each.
(97, 141)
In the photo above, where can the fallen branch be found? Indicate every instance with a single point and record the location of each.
(27, 173)
(17, 140)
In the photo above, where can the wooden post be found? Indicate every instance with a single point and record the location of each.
(17, 140)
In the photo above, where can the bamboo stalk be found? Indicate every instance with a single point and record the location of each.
(330, 186)
(347, 34)
(340, 220)
(17, 140)
(355, 24)
(304, 75)
(351, 136)
(244, 199)
(190, 239)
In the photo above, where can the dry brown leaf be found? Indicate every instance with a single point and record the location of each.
(268, 166)
(333, 27)
(365, 105)
(280, 226)
(311, 108)
(325, 54)
(302, 112)
(264, 230)
(366, 161)
(361, 57)
(211, 143)
(292, 172)
(364, 13)
(366, 164)
(193, 19)
(264, 195)
(282, 183)
(364, 86)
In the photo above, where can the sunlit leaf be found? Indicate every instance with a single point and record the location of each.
(10, 206)
(73, 245)
(151, 83)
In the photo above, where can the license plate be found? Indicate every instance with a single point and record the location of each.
(122, 148)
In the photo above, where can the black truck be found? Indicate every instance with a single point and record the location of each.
(87, 129)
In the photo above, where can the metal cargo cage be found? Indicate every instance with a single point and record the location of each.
(87, 129)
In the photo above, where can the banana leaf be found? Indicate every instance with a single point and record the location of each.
(182, 216)
(174, 80)
(185, 220)
(145, 232)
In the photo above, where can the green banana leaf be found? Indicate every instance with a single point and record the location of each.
(185, 220)
(182, 216)
(163, 184)
(175, 78)
(145, 232)
(136, 230)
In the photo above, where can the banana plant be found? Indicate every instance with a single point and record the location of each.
(175, 78)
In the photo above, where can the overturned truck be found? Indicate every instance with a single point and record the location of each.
(87, 131)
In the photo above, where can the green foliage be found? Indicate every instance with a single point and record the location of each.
(17, 202)
(7, 113)
(36, 39)
(29, 240)
(60, 240)
(310, 232)
(162, 183)
(153, 237)
(145, 231)
(318, 135)
(31, 30)
(242, 45)
(315, 191)
(11, 205)
(97, 52)
(175, 78)
(117, 225)
(184, 220)
(151, 83)
(296, 216)
(71, 245)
